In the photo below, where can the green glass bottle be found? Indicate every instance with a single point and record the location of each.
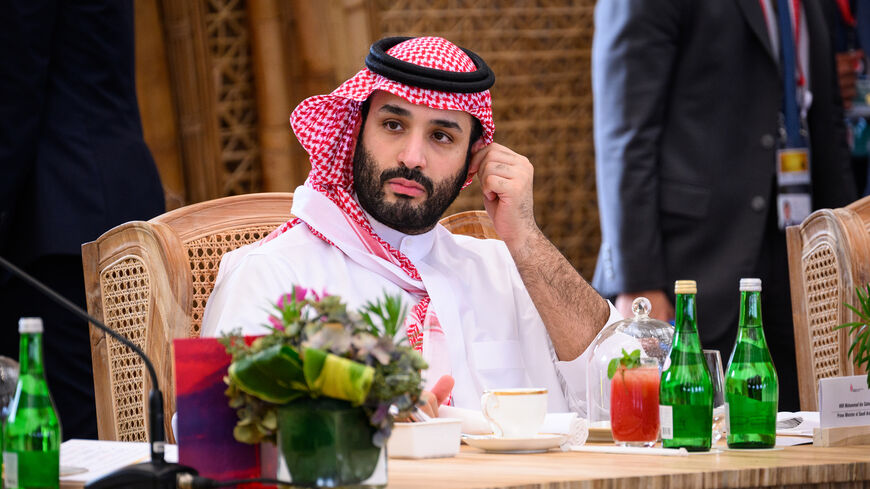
(31, 450)
(686, 392)
(751, 384)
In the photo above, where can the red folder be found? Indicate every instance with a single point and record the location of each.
(205, 420)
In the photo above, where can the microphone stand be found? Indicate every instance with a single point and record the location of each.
(158, 473)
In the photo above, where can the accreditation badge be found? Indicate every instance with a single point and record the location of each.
(793, 200)
(793, 166)
(792, 209)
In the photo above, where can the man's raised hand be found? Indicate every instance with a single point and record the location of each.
(506, 180)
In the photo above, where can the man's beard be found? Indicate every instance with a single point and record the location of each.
(402, 215)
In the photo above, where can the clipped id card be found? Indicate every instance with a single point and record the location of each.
(793, 209)
(793, 200)
(793, 166)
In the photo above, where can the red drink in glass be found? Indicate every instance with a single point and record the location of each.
(634, 405)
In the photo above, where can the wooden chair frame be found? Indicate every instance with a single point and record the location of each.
(149, 281)
(828, 256)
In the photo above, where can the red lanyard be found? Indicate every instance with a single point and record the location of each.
(846, 13)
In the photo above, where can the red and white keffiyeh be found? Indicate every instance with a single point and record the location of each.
(324, 125)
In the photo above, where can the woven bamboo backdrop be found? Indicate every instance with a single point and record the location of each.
(229, 46)
(236, 68)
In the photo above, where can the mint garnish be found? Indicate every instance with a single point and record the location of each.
(628, 360)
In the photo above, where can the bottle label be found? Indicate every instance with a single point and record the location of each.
(727, 419)
(10, 467)
(666, 417)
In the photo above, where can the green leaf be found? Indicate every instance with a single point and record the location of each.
(246, 434)
(611, 368)
(337, 377)
(627, 360)
(859, 350)
(856, 311)
(385, 316)
(274, 374)
(270, 420)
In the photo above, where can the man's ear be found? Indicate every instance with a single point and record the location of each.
(475, 162)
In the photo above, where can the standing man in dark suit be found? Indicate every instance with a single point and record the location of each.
(73, 164)
(688, 126)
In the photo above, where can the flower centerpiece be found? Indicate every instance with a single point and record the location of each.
(325, 384)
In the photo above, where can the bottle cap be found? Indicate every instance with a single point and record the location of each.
(750, 285)
(29, 325)
(685, 287)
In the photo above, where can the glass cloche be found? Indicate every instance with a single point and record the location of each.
(651, 336)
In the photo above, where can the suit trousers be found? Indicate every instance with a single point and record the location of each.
(66, 341)
(772, 269)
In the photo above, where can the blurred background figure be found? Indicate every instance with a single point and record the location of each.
(690, 117)
(851, 33)
(74, 165)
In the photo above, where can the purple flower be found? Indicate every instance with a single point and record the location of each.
(286, 299)
(276, 323)
(318, 296)
(301, 293)
(380, 414)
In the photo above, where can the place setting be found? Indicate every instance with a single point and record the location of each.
(516, 421)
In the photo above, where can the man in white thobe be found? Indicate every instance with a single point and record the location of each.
(390, 150)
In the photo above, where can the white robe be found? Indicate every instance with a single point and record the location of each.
(495, 336)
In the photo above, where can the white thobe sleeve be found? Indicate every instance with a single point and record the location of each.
(244, 294)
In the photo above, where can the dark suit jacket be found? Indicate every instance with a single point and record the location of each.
(687, 97)
(72, 157)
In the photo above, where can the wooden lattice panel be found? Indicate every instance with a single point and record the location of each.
(540, 52)
(230, 52)
(822, 292)
(126, 300)
(205, 258)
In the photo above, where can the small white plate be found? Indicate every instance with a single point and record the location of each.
(538, 443)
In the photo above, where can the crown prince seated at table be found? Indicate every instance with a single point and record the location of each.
(390, 150)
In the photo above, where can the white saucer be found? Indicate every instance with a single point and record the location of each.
(538, 443)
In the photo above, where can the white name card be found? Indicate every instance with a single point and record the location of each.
(844, 401)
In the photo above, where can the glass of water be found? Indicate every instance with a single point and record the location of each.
(714, 364)
(8, 384)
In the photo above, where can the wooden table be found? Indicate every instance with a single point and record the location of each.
(791, 467)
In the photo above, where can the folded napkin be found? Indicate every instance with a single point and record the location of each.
(800, 423)
(473, 423)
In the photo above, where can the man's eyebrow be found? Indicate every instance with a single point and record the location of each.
(399, 111)
(447, 124)
(395, 109)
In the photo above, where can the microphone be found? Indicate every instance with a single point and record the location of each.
(158, 473)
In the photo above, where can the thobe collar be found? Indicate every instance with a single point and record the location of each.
(414, 246)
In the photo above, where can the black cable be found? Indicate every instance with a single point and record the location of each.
(155, 397)
(63, 301)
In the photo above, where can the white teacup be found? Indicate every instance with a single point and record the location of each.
(515, 413)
